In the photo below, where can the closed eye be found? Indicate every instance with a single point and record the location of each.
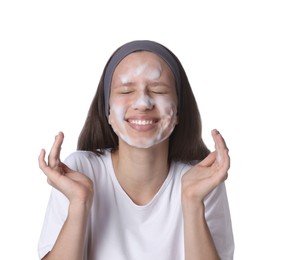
(159, 92)
(159, 88)
(125, 90)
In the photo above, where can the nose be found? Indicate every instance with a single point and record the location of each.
(143, 102)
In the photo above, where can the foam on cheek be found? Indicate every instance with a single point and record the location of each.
(166, 125)
(168, 120)
(116, 119)
(168, 113)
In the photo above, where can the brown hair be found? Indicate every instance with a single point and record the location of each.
(185, 142)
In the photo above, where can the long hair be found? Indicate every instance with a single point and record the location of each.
(185, 143)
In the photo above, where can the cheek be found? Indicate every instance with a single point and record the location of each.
(120, 102)
(167, 107)
(117, 111)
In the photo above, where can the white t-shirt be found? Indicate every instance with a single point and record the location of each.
(121, 230)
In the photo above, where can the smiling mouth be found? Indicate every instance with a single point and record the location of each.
(141, 122)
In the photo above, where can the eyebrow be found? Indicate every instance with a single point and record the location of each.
(126, 84)
(158, 83)
(150, 84)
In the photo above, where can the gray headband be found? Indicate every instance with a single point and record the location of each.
(133, 46)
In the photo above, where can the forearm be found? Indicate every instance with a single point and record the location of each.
(71, 240)
(199, 244)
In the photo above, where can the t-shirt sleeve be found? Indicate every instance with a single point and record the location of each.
(55, 216)
(218, 218)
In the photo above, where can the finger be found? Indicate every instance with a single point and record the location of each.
(209, 160)
(66, 168)
(41, 159)
(42, 163)
(220, 146)
(219, 140)
(49, 172)
(54, 156)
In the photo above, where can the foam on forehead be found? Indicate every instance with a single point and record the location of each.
(141, 45)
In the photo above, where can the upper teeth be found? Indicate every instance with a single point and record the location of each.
(141, 122)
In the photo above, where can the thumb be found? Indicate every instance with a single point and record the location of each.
(65, 168)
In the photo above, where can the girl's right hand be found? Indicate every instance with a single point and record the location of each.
(77, 187)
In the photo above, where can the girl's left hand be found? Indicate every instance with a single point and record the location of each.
(201, 179)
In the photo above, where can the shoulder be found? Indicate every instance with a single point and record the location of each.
(87, 161)
(86, 156)
(181, 168)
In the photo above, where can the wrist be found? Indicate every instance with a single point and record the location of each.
(192, 203)
(79, 208)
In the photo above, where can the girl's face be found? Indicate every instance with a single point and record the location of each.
(143, 100)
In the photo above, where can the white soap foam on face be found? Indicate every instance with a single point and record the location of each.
(168, 114)
(151, 74)
(165, 126)
(116, 118)
(143, 101)
(138, 78)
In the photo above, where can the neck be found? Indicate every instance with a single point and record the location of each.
(141, 172)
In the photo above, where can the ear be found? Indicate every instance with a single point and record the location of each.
(109, 119)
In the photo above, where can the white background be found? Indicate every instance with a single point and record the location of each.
(51, 58)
